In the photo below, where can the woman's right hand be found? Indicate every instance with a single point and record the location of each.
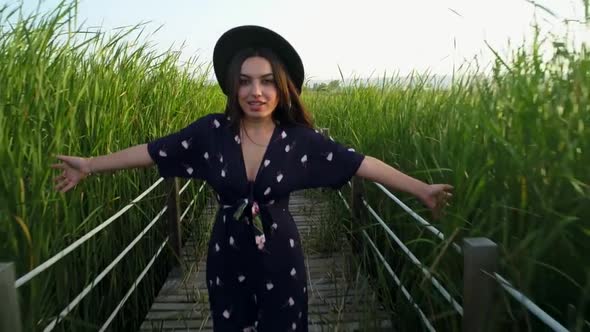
(74, 169)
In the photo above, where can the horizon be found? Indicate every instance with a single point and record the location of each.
(361, 41)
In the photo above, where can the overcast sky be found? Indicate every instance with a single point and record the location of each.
(362, 37)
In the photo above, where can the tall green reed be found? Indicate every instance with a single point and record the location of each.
(67, 90)
(515, 146)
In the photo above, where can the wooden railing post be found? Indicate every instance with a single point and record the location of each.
(174, 230)
(480, 261)
(9, 309)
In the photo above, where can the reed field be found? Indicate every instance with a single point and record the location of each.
(68, 91)
(514, 143)
(515, 147)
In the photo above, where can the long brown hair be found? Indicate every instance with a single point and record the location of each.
(289, 111)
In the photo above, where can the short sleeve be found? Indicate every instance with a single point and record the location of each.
(184, 153)
(329, 163)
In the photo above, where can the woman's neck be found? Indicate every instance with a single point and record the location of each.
(258, 125)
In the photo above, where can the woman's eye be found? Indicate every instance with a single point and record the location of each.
(243, 81)
(269, 81)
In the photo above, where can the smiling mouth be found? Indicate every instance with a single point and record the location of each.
(256, 103)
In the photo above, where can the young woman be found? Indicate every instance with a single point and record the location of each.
(262, 148)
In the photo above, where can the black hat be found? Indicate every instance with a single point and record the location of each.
(246, 36)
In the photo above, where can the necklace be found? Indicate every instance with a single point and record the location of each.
(251, 140)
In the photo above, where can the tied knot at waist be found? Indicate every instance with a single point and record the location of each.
(250, 207)
(249, 211)
(240, 207)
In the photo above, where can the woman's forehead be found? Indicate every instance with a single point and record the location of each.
(256, 67)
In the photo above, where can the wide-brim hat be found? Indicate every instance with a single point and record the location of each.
(247, 36)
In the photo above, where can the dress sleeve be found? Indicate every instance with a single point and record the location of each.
(329, 163)
(184, 153)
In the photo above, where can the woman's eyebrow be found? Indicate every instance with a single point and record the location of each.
(264, 75)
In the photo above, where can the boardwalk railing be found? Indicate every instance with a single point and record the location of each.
(10, 318)
(480, 262)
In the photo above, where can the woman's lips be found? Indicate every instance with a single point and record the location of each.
(255, 106)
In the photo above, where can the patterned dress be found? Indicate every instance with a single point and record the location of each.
(256, 276)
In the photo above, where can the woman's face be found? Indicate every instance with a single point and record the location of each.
(257, 94)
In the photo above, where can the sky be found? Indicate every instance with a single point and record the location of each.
(364, 38)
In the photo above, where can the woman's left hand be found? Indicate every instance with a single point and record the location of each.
(436, 197)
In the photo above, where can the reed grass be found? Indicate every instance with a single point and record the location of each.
(515, 147)
(67, 90)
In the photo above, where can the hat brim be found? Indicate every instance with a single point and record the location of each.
(247, 36)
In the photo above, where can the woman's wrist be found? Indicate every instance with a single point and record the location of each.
(421, 190)
(89, 169)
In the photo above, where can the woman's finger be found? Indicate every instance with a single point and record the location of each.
(68, 187)
(62, 184)
(58, 178)
(58, 186)
(60, 166)
(65, 159)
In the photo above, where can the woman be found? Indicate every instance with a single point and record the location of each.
(262, 148)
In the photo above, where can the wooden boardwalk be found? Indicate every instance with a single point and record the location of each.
(339, 298)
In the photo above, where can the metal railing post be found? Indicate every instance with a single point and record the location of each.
(174, 230)
(356, 199)
(356, 211)
(480, 261)
(326, 133)
(9, 309)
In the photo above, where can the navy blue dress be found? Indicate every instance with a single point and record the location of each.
(256, 276)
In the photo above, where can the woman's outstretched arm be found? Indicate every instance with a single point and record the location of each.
(433, 196)
(132, 157)
(75, 169)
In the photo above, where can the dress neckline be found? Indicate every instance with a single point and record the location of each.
(264, 157)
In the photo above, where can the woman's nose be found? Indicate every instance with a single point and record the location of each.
(256, 89)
